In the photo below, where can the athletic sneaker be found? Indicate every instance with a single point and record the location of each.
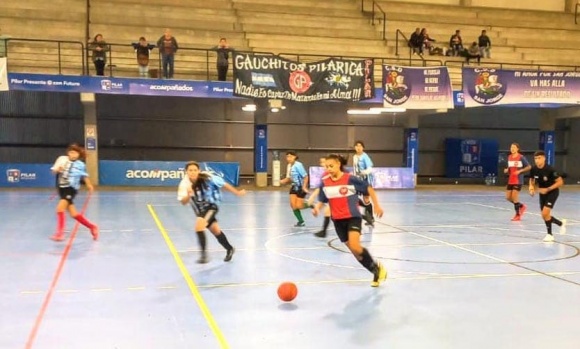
(320, 234)
(57, 237)
(203, 258)
(523, 209)
(95, 232)
(517, 218)
(300, 224)
(563, 227)
(379, 276)
(229, 254)
(549, 238)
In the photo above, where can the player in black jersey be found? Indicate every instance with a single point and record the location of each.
(549, 181)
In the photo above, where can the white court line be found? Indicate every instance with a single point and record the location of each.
(506, 209)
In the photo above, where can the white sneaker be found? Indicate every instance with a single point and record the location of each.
(548, 238)
(563, 227)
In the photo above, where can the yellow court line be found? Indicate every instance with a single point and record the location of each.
(189, 280)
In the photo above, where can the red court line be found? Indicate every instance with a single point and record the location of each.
(55, 278)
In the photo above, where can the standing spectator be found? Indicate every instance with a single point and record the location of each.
(99, 48)
(415, 42)
(473, 52)
(167, 48)
(223, 55)
(484, 44)
(456, 43)
(142, 49)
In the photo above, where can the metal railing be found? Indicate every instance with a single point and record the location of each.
(408, 45)
(508, 65)
(576, 13)
(35, 54)
(378, 16)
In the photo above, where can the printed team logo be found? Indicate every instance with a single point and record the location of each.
(300, 81)
(397, 91)
(487, 87)
(106, 85)
(471, 151)
(545, 179)
(343, 191)
(338, 80)
(13, 175)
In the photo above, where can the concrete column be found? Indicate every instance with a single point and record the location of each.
(411, 142)
(91, 136)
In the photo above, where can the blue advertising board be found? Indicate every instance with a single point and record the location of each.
(470, 158)
(159, 173)
(547, 144)
(14, 175)
(383, 177)
(411, 148)
(261, 148)
(126, 86)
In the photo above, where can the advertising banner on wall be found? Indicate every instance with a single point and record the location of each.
(486, 86)
(417, 87)
(274, 77)
(471, 158)
(382, 177)
(159, 173)
(26, 176)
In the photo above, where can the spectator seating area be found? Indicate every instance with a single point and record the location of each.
(295, 28)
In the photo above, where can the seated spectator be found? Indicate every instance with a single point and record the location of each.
(456, 43)
(484, 44)
(427, 43)
(473, 52)
(416, 42)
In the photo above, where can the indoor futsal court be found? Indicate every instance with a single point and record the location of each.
(461, 275)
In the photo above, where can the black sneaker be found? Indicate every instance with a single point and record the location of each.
(203, 258)
(229, 254)
(320, 234)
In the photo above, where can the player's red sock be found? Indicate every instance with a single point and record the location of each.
(60, 223)
(82, 220)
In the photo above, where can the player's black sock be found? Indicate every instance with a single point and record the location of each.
(549, 226)
(223, 240)
(556, 221)
(325, 223)
(517, 206)
(367, 261)
(369, 210)
(201, 240)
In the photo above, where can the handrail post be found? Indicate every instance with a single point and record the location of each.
(207, 64)
(576, 14)
(384, 26)
(373, 14)
(397, 43)
(59, 59)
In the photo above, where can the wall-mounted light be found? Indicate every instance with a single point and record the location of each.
(249, 107)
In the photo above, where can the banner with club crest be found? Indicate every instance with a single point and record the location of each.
(417, 87)
(274, 77)
(486, 86)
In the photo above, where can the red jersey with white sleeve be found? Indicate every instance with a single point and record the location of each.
(342, 195)
(516, 162)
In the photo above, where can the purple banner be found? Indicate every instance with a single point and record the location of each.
(417, 88)
(382, 177)
(484, 86)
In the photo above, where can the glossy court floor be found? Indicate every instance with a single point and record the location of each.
(461, 275)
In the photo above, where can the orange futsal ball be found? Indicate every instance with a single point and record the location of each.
(287, 291)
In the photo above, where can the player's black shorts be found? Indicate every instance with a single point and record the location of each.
(549, 199)
(68, 194)
(368, 179)
(343, 226)
(209, 214)
(516, 187)
(298, 191)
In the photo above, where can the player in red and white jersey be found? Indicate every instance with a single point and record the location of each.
(340, 191)
(517, 166)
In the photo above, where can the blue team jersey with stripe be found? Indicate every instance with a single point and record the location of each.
(297, 173)
(72, 174)
(342, 195)
(361, 164)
